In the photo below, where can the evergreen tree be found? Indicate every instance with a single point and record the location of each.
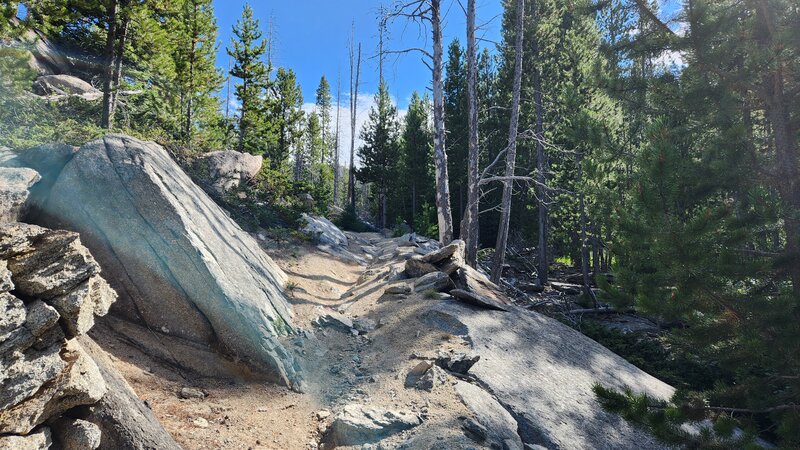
(286, 117)
(455, 115)
(195, 32)
(248, 50)
(324, 103)
(379, 153)
(416, 169)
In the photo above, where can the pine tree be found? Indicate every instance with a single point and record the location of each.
(379, 153)
(455, 116)
(195, 31)
(247, 53)
(417, 168)
(286, 118)
(324, 103)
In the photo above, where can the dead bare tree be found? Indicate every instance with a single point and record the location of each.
(511, 151)
(542, 192)
(429, 12)
(355, 63)
(336, 171)
(470, 223)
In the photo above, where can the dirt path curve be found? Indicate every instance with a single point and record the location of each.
(241, 412)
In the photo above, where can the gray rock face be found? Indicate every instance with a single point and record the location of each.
(228, 169)
(476, 300)
(15, 184)
(66, 85)
(77, 434)
(437, 281)
(124, 420)
(398, 289)
(416, 267)
(78, 384)
(45, 57)
(542, 372)
(180, 262)
(499, 424)
(324, 231)
(359, 424)
(41, 439)
(42, 374)
(454, 248)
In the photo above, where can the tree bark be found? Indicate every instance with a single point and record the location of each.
(336, 149)
(443, 210)
(189, 101)
(470, 228)
(587, 288)
(118, 56)
(108, 81)
(541, 165)
(511, 153)
(351, 188)
(786, 149)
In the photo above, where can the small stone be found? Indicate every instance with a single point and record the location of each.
(456, 362)
(200, 422)
(323, 414)
(402, 288)
(190, 393)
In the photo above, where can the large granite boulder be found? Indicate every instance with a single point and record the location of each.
(323, 230)
(228, 169)
(181, 265)
(15, 185)
(66, 85)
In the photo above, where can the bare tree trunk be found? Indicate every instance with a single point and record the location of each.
(108, 82)
(336, 170)
(511, 153)
(122, 36)
(587, 288)
(443, 210)
(541, 165)
(470, 228)
(353, 105)
(786, 149)
(189, 101)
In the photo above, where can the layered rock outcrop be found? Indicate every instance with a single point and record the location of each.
(181, 265)
(50, 293)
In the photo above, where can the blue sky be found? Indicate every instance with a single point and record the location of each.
(311, 37)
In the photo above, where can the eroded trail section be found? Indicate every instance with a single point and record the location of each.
(394, 362)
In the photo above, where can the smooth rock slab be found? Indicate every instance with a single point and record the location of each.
(499, 423)
(177, 260)
(359, 424)
(542, 372)
(455, 248)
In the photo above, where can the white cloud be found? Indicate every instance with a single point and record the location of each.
(670, 60)
(366, 101)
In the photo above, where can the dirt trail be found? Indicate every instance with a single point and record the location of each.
(240, 412)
